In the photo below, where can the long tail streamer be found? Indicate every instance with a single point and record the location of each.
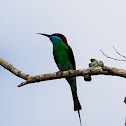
(79, 117)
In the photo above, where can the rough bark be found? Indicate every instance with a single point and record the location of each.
(14, 70)
(95, 68)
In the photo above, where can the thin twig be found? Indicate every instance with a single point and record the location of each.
(125, 121)
(125, 100)
(118, 52)
(111, 57)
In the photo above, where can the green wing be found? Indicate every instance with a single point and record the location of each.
(71, 56)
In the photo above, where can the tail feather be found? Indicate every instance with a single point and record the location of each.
(79, 117)
(77, 105)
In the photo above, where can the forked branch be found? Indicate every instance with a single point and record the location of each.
(115, 58)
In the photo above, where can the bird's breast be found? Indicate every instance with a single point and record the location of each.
(62, 57)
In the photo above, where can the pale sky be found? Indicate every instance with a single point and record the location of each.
(89, 26)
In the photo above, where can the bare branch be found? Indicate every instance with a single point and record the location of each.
(125, 100)
(95, 68)
(125, 121)
(14, 70)
(112, 57)
(119, 53)
(81, 72)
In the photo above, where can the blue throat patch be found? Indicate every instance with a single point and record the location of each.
(55, 39)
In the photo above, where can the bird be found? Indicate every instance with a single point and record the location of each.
(64, 59)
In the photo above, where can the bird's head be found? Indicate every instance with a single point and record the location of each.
(55, 37)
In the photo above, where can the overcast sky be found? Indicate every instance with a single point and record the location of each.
(89, 25)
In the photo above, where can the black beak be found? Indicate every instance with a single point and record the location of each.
(44, 34)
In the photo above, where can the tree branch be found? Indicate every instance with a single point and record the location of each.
(125, 100)
(14, 70)
(95, 68)
(119, 53)
(115, 58)
(81, 72)
(125, 121)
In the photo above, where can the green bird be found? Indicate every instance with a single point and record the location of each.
(64, 58)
